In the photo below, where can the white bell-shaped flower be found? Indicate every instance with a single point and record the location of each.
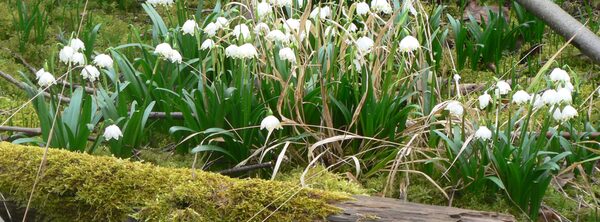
(409, 44)
(189, 27)
(502, 87)
(362, 8)
(521, 97)
(66, 54)
(207, 44)
(550, 97)
(242, 31)
(90, 73)
(270, 123)
(287, 54)
(277, 36)
(558, 75)
(211, 29)
(263, 9)
(381, 6)
(77, 44)
(483, 133)
(112, 132)
(455, 108)
(262, 29)
(564, 95)
(103, 61)
(484, 100)
(46, 79)
(364, 45)
(321, 13)
(78, 59)
(568, 113)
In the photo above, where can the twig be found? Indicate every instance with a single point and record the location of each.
(246, 168)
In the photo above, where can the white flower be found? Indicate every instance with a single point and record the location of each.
(163, 49)
(103, 61)
(564, 95)
(46, 79)
(270, 123)
(282, 3)
(174, 56)
(222, 22)
(207, 44)
(502, 88)
(211, 29)
(456, 77)
(484, 100)
(39, 73)
(287, 54)
(557, 115)
(322, 13)
(160, 2)
(364, 45)
(521, 97)
(189, 27)
(537, 101)
(294, 25)
(352, 27)
(232, 51)
(381, 6)
(263, 9)
(247, 51)
(66, 54)
(568, 113)
(90, 72)
(77, 44)
(78, 58)
(112, 132)
(278, 36)
(550, 97)
(357, 64)
(569, 86)
(483, 133)
(558, 75)
(261, 28)
(362, 8)
(455, 108)
(408, 4)
(409, 44)
(241, 30)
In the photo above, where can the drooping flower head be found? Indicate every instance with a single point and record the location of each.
(103, 61)
(521, 97)
(112, 132)
(381, 6)
(409, 44)
(362, 8)
(455, 108)
(270, 123)
(502, 87)
(189, 27)
(483, 133)
(484, 100)
(90, 73)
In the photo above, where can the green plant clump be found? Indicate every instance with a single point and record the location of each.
(81, 187)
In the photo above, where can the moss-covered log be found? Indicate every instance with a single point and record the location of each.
(81, 187)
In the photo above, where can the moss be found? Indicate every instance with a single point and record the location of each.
(321, 178)
(81, 187)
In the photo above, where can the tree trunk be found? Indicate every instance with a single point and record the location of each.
(565, 25)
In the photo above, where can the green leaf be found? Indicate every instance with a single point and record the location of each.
(497, 181)
(204, 148)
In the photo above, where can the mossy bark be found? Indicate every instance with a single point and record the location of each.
(81, 187)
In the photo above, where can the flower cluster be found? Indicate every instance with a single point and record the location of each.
(73, 54)
(45, 79)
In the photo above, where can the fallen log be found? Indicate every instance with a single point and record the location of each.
(365, 208)
(565, 25)
(82, 187)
